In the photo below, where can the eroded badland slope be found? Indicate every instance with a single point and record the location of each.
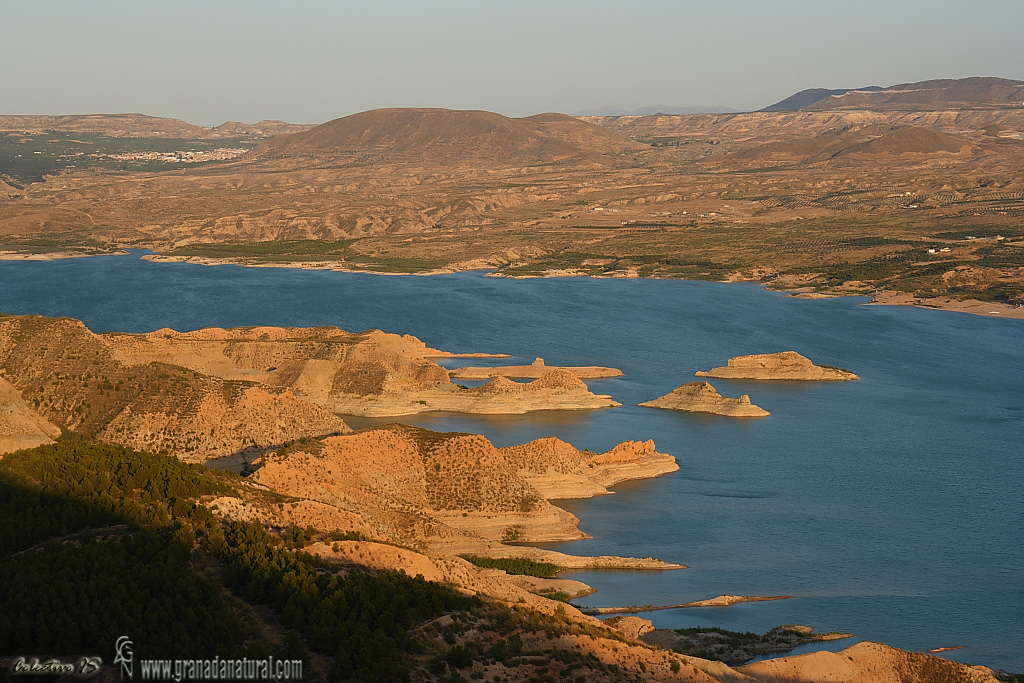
(77, 381)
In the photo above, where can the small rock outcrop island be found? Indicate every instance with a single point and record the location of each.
(786, 365)
(701, 397)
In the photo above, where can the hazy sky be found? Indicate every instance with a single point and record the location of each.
(310, 61)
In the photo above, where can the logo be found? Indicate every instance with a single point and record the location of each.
(123, 656)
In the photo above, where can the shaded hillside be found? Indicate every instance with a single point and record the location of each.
(808, 97)
(453, 138)
(952, 93)
(77, 381)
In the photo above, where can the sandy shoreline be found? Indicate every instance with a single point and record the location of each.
(301, 265)
(52, 255)
(972, 306)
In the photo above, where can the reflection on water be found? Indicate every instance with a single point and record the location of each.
(891, 507)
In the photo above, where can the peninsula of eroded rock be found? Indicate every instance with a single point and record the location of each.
(451, 489)
(701, 397)
(786, 365)
(534, 370)
(368, 374)
(217, 393)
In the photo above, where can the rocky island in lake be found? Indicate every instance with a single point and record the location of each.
(784, 365)
(701, 397)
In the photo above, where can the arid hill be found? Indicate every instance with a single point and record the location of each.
(453, 138)
(441, 490)
(77, 380)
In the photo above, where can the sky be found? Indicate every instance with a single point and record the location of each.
(307, 61)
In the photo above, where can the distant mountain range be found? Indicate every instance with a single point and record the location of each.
(946, 93)
(143, 126)
(653, 109)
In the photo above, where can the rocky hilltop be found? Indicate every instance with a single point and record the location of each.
(701, 397)
(67, 377)
(784, 365)
(450, 489)
(370, 373)
(865, 663)
(534, 370)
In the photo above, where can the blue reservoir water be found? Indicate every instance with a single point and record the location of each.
(891, 507)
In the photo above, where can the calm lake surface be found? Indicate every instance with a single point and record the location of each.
(891, 507)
